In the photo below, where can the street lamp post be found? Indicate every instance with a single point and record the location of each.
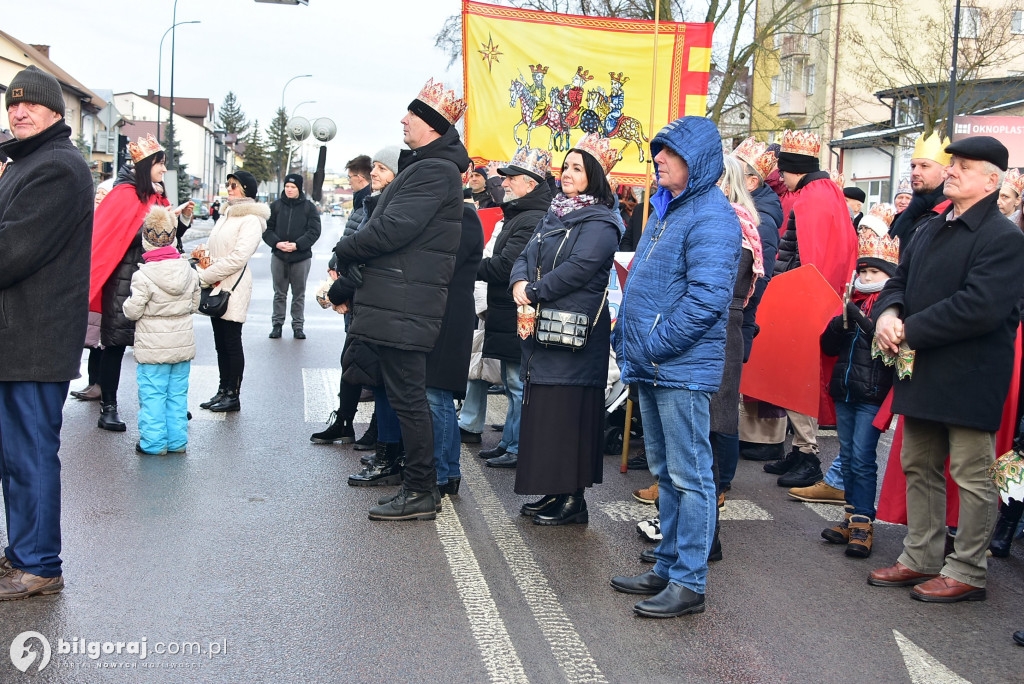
(279, 177)
(304, 102)
(159, 73)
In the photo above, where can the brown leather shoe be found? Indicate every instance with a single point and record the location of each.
(898, 575)
(946, 590)
(5, 565)
(18, 584)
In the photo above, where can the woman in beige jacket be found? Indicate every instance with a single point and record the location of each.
(233, 241)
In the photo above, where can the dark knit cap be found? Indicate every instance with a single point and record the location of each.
(798, 163)
(983, 148)
(854, 193)
(482, 170)
(34, 85)
(295, 179)
(430, 116)
(886, 267)
(248, 181)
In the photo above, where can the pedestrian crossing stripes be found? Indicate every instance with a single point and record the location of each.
(320, 396)
(631, 511)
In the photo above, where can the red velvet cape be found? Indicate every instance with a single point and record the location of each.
(115, 223)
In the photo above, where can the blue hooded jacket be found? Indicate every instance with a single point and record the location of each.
(671, 326)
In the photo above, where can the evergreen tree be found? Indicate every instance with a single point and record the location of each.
(257, 159)
(277, 142)
(231, 117)
(174, 161)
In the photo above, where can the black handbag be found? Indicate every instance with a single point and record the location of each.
(216, 305)
(565, 329)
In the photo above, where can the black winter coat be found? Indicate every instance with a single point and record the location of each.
(634, 229)
(788, 258)
(448, 362)
(116, 329)
(46, 204)
(521, 218)
(957, 289)
(769, 209)
(906, 222)
(293, 220)
(358, 213)
(574, 256)
(408, 246)
(856, 377)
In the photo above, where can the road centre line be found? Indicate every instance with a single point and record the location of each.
(496, 648)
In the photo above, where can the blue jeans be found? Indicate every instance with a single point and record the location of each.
(447, 445)
(163, 406)
(474, 406)
(514, 391)
(727, 450)
(676, 428)
(834, 475)
(30, 422)
(858, 441)
(389, 430)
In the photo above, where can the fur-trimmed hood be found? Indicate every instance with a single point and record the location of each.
(248, 208)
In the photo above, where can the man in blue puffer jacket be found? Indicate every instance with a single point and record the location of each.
(670, 341)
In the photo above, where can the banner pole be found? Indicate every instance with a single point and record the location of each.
(650, 122)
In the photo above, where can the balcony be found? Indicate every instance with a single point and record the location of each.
(792, 103)
(793, 46)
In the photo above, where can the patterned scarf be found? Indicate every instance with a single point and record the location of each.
(563, 205)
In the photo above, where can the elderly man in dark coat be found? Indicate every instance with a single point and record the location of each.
(46, 203)
(953, 305)
(408, 248)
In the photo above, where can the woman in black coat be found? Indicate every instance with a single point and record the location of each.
(566, 266)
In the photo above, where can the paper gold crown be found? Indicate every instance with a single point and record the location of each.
(884, 211)
(1015, 180)
(904, 188)
(801, 142)
(143, 148)
(443, 101)
(932, 147)
(755, 154)
(837, 178)
(870, 245)
(600, 149)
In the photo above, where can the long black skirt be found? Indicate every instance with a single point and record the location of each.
(561, 439)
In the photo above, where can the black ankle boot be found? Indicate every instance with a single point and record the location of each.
(805, 473)
(385, 469)
(570, 508)
(785, 464)
(451, 488)
(1006, 525)
(542, 505)
(228, 402)
(338, 430)
(214, 399)
(369, 438)
(109, 420)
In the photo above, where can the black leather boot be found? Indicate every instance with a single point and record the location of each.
(407, 505)
(369, 438)
(109, 420)
(571, 508)
(1006, 525)
(228, 402)
(338, 430)
(803, 474)
(785, 464)
(214, 399)
(542, 505)
(385, 469)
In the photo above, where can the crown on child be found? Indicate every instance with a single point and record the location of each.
(871, 245)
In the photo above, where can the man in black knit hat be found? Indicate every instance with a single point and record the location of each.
(407, 251)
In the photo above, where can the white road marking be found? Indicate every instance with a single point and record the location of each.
(833, 513)
(203, 383)
(320, 395)
(627, 511)
(567, 647)
(922, 667)
(739, 509)
(499, 654)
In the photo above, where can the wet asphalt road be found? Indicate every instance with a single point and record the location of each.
(254, 542)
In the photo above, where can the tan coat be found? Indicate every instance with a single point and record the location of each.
(165, 294)
(234, 239)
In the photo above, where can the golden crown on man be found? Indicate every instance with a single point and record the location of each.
(801, 142)
(932, 147)
(443, 101)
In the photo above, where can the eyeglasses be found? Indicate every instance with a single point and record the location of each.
(232, 185)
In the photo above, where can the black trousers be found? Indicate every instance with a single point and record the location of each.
(95, 360)
(405, 380)
(110, 373)
(227, 338)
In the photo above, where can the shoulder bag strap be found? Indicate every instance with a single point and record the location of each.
(247, 265)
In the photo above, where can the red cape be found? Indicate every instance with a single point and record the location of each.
(115, 223)
(892, 502)
(824, 232)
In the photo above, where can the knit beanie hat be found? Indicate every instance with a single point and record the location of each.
(295, 179)
(388, 156)
(430, 116)
(34, 85)
(158, 228)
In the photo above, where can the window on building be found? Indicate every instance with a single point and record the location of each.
(1017, 23)
(970, 22)
(812, 20)
(908, 111)
(809, 79)
(774, 97)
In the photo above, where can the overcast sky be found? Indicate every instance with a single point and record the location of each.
(368, 58)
